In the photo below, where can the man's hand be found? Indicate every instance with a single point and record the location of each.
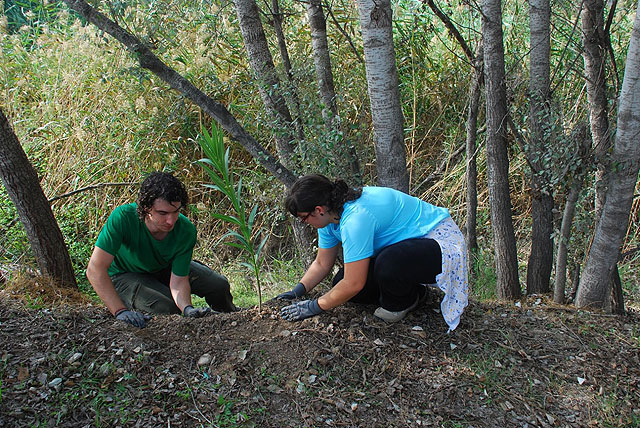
(191, 312)
(301, 310)
(134, 318)
(297, 291)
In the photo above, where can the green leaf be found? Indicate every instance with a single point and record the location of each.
(264, 241)
(227, 218)
(252, 216)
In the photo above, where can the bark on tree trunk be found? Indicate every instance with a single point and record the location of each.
(286, 61)
(595, 285)
(541, 254)
(507, 282)
(563, 243)
(211, 107)
(384, 93)
(345, 156)
(23, 186)
(261, 62)
(617, 298)
(594, 55)
(472, 169)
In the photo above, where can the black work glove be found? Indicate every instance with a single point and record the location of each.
(297, 291)
(191, 312)
(301, 310)
(135, 318)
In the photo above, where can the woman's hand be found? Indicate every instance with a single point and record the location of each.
(297, 291)
(301, 310)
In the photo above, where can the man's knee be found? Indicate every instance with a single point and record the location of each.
(140, 292)
(157, 305)
(204, 278)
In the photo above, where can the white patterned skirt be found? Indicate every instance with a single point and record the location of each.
(454, 279)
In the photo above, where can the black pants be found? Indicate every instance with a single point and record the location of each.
(398, 273)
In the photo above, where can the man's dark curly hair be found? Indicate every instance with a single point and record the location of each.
(314, 190)
(160, 185)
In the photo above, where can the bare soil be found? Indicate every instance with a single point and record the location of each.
(529, 365)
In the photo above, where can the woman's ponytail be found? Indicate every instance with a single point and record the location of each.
(315, 190)
(341, 193)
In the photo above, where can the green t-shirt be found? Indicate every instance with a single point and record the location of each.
(134, 249)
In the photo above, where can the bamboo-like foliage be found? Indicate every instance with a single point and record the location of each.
(216, 164)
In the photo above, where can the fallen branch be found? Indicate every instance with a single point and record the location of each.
(66, 195)
(91, 187)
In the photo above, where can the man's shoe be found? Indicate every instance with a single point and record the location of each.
(390, 316)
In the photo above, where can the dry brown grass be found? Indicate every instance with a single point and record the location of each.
(41, 291)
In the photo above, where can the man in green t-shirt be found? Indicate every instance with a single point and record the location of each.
(142, 263)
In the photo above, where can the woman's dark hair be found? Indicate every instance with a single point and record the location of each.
(314, 190)
(160, 185)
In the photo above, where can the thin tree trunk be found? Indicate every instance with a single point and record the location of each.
(345, 33)
(211, 107)
(384, 93)
(471, 172)
(541, 254)
(507, 282)
(286, 61)
(344, 153)
(595, 285)
(322, 59)
(559, 288)
(563, 243)
(472, 168)
(23, 187)
(261, 62)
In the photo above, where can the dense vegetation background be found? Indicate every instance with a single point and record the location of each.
(88, 116)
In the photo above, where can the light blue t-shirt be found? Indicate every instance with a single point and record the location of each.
(380, 217)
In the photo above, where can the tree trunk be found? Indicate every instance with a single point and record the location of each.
(261, 62)
(617, 298)
(563, 243)
(594, 55)
(595, 285)
(322, 59)
(345, 156)
(23, 186)
(215, 110)
(583, 140)
(507, 283)
(472, 168)
(541, 254)
(384, 93)
(286, 61)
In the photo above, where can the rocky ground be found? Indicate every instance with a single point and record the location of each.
(532, 364)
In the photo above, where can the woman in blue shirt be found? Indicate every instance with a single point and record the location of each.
(393, 245)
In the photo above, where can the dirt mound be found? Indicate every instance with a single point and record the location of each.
(528, 365)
